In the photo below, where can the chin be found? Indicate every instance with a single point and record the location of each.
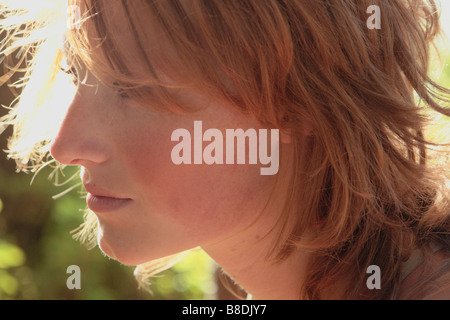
(132, 250)
(123, 253)
(125, 259)
(106, 249)
(112, 247)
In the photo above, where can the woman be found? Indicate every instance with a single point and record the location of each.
(180, 105)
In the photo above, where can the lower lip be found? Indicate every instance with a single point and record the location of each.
(105, 204)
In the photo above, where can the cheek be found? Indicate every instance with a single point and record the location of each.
(217, 198)
(220, 195)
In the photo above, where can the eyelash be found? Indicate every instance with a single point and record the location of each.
(73, 72)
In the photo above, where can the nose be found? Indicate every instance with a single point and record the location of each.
(81, 138)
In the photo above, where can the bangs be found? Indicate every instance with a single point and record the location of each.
(126, 47)
(151, 49)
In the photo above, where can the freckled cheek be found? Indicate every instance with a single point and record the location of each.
(193, 195)
(216, 197)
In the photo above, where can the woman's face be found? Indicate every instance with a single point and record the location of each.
(124, 149)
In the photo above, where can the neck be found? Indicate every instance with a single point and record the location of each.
(246, 263)
(244, 256)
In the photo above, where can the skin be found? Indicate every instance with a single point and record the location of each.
(124, 148)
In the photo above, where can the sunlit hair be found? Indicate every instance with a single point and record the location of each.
(377, 183)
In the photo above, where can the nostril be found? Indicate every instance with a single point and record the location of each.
(76, 162)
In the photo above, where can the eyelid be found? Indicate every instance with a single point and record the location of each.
(72, 70)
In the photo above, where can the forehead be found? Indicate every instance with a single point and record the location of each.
(153, 44)
(112, 33)
(144, 42)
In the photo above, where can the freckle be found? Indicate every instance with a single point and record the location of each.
(258, 237)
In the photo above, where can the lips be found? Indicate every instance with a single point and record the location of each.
(101, 201)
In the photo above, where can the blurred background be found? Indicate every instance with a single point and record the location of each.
(36, 245)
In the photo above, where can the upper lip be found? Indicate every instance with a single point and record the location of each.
(99, 192)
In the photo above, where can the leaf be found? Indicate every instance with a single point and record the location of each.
(8, 283)
(10, 255)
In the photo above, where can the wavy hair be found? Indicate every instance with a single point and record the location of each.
(377, 178)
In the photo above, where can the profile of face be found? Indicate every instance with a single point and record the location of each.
(293, 156)
(147, 207)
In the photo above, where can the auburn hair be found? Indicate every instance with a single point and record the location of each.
(376, 176)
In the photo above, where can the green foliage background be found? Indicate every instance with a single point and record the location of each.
(36, 246)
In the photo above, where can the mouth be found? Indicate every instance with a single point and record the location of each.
(101, 201)
(105, 204)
